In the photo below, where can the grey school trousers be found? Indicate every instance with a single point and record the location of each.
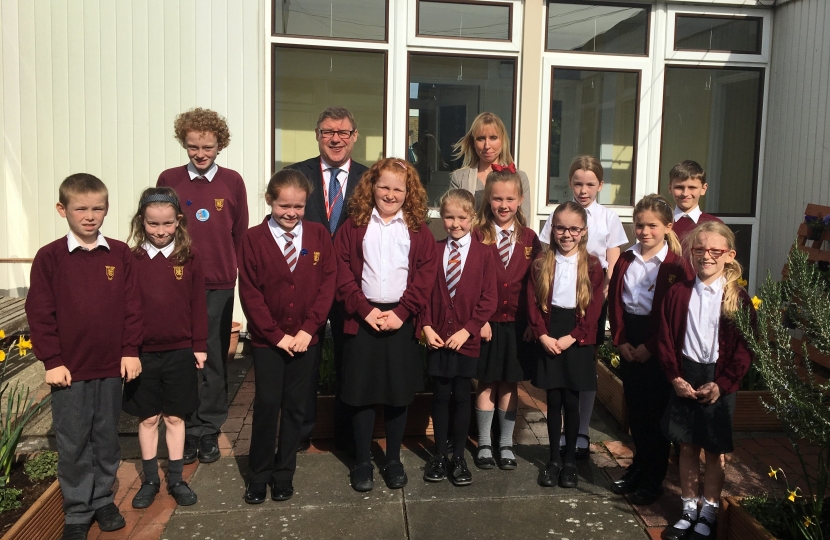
(85, 419)
(213, 378)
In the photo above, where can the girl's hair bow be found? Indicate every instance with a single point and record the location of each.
(504, 168)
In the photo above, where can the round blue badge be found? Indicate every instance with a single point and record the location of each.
(202, 214)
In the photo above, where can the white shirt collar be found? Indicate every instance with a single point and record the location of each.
(462, 242)
(152, 250)
(661, 255)
(509, 229)
(397, 217)
(194, 174)
(561, 259)
(278, 231)
(73, 244)
(694, 213)
(345, 167)
(716, 287)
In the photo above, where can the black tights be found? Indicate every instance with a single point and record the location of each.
(460, 388)
(363, 422)
(559, 398)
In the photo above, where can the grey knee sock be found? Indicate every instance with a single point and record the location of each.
(150, 467)
(507, 421)
(484, 419)
(586, 408)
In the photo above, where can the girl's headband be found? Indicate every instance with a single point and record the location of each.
(504, 168)
(158, 197)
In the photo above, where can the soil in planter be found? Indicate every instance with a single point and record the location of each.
(31, 492)
(770, 514)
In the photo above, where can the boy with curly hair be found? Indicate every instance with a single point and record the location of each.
(216, 205)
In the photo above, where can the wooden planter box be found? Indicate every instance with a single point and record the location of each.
(734, 522)
(43, 520)
(610, 393)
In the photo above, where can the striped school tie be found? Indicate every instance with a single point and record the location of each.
(453, 268)
(335, 199)
(504, 248)
(290, 251)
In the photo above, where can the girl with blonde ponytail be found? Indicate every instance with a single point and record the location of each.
(704, 356)
(640, 281)
(564, 301)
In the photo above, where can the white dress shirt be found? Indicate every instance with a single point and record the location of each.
(73, 244)
(152, 250)
(279, 235)
(563, 292)
(511, 237)
(463, 250)
(342, 176)
(194, 174)
(385, 259)
(694, 213)
(702, 324)
(605, 231)
(639, 280)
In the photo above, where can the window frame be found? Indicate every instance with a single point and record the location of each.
(470, 46)
(671, 54)
(275, 34)
(605, 3)
(759, 44)
(508, 5)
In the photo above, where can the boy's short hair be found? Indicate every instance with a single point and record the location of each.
(202, 121)
(336, 113)
(80, 184)
(686, 170)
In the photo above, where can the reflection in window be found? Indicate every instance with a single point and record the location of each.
(743, 245)
(445, 94)
(712, 116)
(727, 34)
(306, 81)
(472, 21)
(350, 19)
(597, 29)
(595, 113)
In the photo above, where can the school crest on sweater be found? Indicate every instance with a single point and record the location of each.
(178, 271)
(219, 203)
(110, 272)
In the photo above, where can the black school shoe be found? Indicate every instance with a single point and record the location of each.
(361, 477)
(459, 474)
(209, 448)
(75, 531)
(568, 477)
(395, 475)
(182, 493)
(583, 453)
(109, 518)
(506, 464)
(629, 483)
(191, 449)
(673, 533)
(146, 495)
(550, 476)
(713, 533)
(281, 493)
(436, 469)
(255, 493)
(484, 463)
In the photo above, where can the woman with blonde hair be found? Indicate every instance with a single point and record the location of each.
(485, 144)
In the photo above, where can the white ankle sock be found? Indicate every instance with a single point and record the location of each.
(708, 510)
(690, 508)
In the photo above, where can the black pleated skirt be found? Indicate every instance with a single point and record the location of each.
(689, 421)
(449, 364)
(506, 357)
(382, 367)
(575, 368)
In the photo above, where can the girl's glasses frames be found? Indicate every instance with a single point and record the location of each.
(560, 230)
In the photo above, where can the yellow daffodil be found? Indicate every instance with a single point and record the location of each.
(756, 302)
(793, 494)
(808, 522)
(773, 473)
(2, 356)
(2, 334)
(742, 282)
(615, 360)
(23, 345)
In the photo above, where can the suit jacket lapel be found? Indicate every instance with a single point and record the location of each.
(315, 176)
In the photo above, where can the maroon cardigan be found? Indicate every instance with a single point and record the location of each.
(673, 269)
(474, 301)
(683, 227)
(277, 301)
(511, 282)
(733, 355)
(348, 246)
(585, 331)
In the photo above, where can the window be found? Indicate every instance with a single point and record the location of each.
(607, 29)
(306, 81)
(712, 116)
(718, 33)
(344, 19)
(445, 94)
(594, 112)
(464, 20)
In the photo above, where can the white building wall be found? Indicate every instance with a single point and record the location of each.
(94, 86)
(797, 162)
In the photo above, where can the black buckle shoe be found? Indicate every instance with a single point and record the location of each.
(699, 536)
(209, 448)
(361, 477)
(629, 482)
(75, 531)
(146, 495)
(191, 449)
(109, 518)
(182, 493)
(568, 477)
(550, 476)
(673, 533)
(646, 495)
(255, 493)
(395, 475)
(583, 453)
(459, 474)
(435, 469)
(506, 464)
(281, 493)
(484, 463)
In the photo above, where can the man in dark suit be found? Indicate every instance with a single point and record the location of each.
(334, 175)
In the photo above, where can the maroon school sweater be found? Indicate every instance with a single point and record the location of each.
(219, 237)
(423, 263)
(511, 282)
(84, 308)
(672, 270)
(174, 304)
(585, 331)
(684, 226)
(733, 355)
(474, 301)
(277, 301)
